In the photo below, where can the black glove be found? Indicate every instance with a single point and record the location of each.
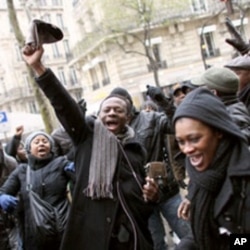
(165, 102)
(83, 105)
(237, 41)
(156, 94)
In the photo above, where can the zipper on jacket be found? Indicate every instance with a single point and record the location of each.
(127, 213)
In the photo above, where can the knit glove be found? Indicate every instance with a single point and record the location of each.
(8, 202)
(237, 41)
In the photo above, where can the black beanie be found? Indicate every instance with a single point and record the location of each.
(202, 105)
(122, 92)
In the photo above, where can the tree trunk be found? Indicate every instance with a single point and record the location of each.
(45, 110)
(156, 77)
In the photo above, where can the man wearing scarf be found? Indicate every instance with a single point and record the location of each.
(112, 200)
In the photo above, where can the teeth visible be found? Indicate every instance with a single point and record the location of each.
(196, 160)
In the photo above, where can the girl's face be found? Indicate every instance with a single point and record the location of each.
(40, 146)
(197, 141)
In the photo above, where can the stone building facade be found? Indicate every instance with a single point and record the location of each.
(91, 59)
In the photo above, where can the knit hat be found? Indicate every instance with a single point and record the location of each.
(30, 138)
(239, 62)
(221, 79)
(202, 105)
(122, 92)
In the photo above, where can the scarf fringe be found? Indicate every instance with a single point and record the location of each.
(99, 192)
(104, 157)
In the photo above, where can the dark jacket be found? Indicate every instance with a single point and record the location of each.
(49, 180)
(91, 222)
(151, 129)
(244, 96)
(232, 205)
(239, 114)
(11, 148)
(63, 144)
(7, 222)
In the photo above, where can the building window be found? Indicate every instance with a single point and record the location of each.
(56, 53)
(68, 53)
(74, 2)
(46, 18)
(3, 90)
(198, 5)
(156, 53)
(59, 21)
(57, 2)
(105, 74)
(61, 76)
(73, 77)
(27, 84)
(94, 78)
(9, 109)
(33, 107)
(18, 53)
(41, 2)
(208, 46)
(78, 95)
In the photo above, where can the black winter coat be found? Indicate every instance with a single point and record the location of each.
(232, 204)
(49, 180)
(151, 129)
(91, 222)
(240, 115)
(244, 96)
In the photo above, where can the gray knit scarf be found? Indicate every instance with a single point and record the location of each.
(104, 160)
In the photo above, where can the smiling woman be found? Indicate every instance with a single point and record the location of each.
(217, 161)
(198, 141)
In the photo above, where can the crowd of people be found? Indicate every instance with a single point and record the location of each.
(125, 168)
